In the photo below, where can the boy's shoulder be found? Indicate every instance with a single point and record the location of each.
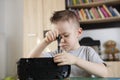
(86, 50)
(86, 47)
(82, 50)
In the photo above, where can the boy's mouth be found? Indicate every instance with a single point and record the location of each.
(64, 47)
(62, 44)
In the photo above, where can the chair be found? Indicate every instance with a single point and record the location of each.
(88, 41)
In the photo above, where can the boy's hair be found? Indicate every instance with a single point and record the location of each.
(65, 15)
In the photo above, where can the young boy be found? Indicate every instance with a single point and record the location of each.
(83, 60)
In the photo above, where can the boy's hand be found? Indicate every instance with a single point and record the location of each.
(51, 36)
(65, 59)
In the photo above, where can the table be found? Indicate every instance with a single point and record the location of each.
(81, 78)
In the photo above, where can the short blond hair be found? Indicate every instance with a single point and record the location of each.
(65, 15)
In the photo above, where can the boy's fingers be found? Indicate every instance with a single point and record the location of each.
(54, 35)
(55, 58)
(58, 60)
(47, 38)
(58, 57)
(51, 34)
(62, 63)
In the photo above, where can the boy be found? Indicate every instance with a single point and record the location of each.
(83, 60)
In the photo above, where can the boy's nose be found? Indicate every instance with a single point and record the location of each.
(62, 40)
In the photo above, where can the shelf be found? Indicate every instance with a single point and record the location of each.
(94, 4)
(109, 19)
(115, 24)
(100, 23)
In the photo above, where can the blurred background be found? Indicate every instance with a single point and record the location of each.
(22, 27)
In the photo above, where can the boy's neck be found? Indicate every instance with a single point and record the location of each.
(76, 47)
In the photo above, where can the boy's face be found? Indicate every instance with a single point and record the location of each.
(69, 34)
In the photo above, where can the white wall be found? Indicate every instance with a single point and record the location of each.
(2, 40)
(2, 15)
(14, 33)
(11, 23)
(2, 56)
(103, 35)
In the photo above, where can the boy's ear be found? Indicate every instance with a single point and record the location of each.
(79, 32)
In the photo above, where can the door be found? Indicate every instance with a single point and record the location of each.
(33, 27)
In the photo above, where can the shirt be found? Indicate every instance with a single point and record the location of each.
(84, 52)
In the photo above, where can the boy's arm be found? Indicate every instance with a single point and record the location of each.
(98, 69)
(50, 37)
(37, 51)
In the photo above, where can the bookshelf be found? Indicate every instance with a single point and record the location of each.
(94, 4)
(94, 22)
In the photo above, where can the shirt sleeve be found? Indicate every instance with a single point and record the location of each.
(49, 54)
(93, 56)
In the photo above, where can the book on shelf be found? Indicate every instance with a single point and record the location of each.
(80, 14)
(95, 12)
(112, 11)
(116, 11)
(99, 12)
(104, 12)
(77, 13)
(83, 14)
(75, 2)
(106, 9)
(88, 14)
(93, 16)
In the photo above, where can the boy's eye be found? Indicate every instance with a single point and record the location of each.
(66, 35)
